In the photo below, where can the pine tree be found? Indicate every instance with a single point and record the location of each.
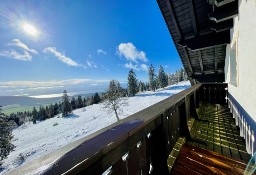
(5, 138)
(113, 98)
(79, 102)
(96, 98)
(132, 83)
(161, 77)
(55, 109)
(84, 102)
(66, 106)
(34, 115)
(140, 87)
(51, 111)
(152, 78)
(73, 103)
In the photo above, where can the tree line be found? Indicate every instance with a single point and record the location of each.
(156, 80)
(113, 99)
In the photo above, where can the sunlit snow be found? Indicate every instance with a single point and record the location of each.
(36, 140)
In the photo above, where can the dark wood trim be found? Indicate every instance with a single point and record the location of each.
(201, 42)
(219, 3)
(201, 61)
(170, 8)
(222, 26)
(225, 12)
(187, 59)
(215, 59)
(192, 13)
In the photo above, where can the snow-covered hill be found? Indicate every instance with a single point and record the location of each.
(35, 140)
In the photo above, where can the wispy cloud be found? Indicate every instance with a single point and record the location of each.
(144, 67)
(25, 56)
(18, 43)
(100, 51)
(132, 66)
(61, 56)
(91, 64)
(131, 53)
(25, 53)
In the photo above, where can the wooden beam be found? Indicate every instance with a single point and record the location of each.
(225, 12)
(215, 58)
(206, 41)
(174, 21)
(192, 15)
(187, 59)
(201, 61)
(222, 26)
(219, 3)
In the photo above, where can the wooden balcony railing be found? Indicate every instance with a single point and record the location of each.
(141, 143)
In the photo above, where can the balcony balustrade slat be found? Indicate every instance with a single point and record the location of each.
(149, 137)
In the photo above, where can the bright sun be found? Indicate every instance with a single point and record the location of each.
(30, 29)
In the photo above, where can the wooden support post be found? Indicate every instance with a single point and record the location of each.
(158, 152)
(184, 131)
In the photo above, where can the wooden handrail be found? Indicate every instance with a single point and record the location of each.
(140, 143)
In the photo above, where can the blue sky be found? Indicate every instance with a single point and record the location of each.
(47, 44)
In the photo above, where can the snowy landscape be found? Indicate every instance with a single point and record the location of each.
(33, 141)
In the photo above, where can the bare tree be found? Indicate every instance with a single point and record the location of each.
(114, 98)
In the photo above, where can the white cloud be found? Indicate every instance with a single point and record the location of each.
(18, 56)
(100, 51)
(130, 52)
(144, 67)
(61, 56)
(91, 64)
(25, 54)
(18, 43)
(132, 66)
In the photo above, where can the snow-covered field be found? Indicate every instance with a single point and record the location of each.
(35, 140)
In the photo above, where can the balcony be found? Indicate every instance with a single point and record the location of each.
(193, 128)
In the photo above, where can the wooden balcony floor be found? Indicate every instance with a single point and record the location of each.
(216, 146)
(218, 132)
(193, 160)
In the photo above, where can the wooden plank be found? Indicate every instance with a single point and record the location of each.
(192, 14)
(174, 21)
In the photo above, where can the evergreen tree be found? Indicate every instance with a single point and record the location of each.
(91, 100)
(151, 77)
(66, 106)
(113, 100)
(5, 138)
(51, 111)
(34, 115)
(141, 87)
(84, 102)
(55, 109)
(161, 77)
(79, 102)
(42, 113)
(96, 98)
(132, 83)
(73, 103)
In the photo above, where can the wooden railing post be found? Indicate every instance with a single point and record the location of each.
(184, 131)
(158, 152)
(193, 106)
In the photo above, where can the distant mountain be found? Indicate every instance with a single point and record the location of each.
(28, 101)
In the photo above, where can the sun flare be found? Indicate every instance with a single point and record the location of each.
(30, 29)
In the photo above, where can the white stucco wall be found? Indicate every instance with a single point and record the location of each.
(244, 35)
(242, 86)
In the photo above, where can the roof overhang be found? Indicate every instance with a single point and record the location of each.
(200, 30)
